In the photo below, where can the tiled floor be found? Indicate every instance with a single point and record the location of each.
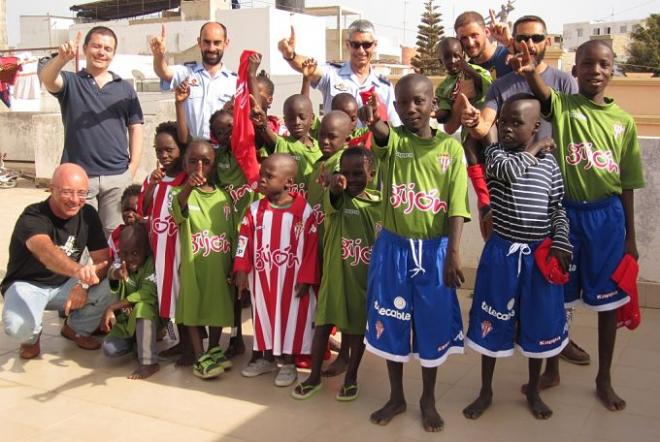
(71, 394)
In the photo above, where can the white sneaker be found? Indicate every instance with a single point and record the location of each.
(286, 376)
(258, 367)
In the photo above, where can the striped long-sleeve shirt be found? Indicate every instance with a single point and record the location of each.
(525, 195)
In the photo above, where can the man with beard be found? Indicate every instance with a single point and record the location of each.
(532, 30)
(211, 83)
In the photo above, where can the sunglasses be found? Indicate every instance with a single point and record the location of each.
(365, 44)
(536, 38)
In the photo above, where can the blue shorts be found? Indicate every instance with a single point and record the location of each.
(409, 308)
(514, 304)
(598, 234)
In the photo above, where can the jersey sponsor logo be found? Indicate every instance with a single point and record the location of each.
(207, 244)
(550, 341)
(578, 115)
(499, 315)
(600, 159)
(406, 196)
(392, 313)
(319, 215)
(405, 155)
(237, 192)
(164, 225)
(444, 160)
(353, 250)
(265, 258)
(354, 212)
(486, 328)
(298, 188)
(242, 246)
(380, 328)
(69, 246)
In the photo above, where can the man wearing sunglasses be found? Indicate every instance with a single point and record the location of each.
(351, 77)
(531, 30)
(45, 271)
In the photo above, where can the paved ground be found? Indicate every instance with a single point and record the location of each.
(72, 394)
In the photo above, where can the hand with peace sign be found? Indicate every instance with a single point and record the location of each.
(287, 46)
(500, 31)
(523, 63)
(69, 50)
(157, 42)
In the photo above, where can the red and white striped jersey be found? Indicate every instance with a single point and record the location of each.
(164, 240)
(278, 249)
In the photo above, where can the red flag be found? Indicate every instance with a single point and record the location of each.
(242, 137)
(366, 95)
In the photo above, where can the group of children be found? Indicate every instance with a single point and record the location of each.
(316, 246)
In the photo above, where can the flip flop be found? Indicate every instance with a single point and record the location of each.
(219, 358)
(347, 394)
(307, 391)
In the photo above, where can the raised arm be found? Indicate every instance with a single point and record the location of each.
(478, 122)
(50, 73)
(254, 61)
(309, 68)
(181, 94)
(525, 65)
(195, 179)
(157, 44)
(370, 116)
(287, 47)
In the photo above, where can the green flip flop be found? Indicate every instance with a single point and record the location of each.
(305, 391)
(219, 357)
(205, 367)
(348, 393)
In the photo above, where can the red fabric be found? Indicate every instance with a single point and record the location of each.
(477, 174)
(549, 265)
(242, 136)
(625, 277)
(366, 95)
(362, 140)
(9, 68)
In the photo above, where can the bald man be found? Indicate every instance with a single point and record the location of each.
(211, 83)
(45, 271)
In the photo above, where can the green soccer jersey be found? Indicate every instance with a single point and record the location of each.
(206, 238)
(140, 290)
(597, 148)
(424, 183)
(351, 226)
(232, 180)
(445, 90)
(305, 156)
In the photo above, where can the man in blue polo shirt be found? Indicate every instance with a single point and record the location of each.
(211, 83)
(98, 109)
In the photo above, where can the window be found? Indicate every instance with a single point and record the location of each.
(580, 32)
(623, 29)
(596, 31)
(608, 30)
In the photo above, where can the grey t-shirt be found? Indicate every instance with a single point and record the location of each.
(512, 84)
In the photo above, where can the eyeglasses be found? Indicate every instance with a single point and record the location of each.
(365, 44)
(536, 38)
(69, 193)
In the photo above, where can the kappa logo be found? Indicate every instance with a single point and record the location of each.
(550, 341)
(405, 155)
(151, 278)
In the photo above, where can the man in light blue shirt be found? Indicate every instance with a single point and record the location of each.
(211, 83)
(353, 76)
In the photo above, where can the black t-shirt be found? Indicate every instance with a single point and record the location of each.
(71, 235)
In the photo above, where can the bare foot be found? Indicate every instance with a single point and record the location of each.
(337, 367)
(236, 347)
(545, 381)
(477, 408)
(389, 410)
(175, 350)
(185, 361)
(608, 397)
(538, 408)
(144, 371)
(431, 420)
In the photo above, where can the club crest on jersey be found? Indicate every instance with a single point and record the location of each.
(405, 195)
(298, 229)
(584, 152)
(444, 160)
(380, 328)
(227, 211)
(207, 244)
(486, 327)
(618, 129)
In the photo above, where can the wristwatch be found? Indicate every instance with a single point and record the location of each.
(83, 285)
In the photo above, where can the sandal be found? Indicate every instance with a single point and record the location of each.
(305, 391)
(219, 357)
(205, 367)
(348, 393)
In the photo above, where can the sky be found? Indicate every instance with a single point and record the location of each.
(404, 15)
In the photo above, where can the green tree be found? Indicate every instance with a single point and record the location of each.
(644, 48)
(429, 33)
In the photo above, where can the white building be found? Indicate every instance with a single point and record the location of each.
(44, 31)
(577, 33)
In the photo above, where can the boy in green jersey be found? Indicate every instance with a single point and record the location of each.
(599, 157)
(415, 265)
(353, 219)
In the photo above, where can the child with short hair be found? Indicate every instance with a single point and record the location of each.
(599, 156)
(130, 214)
(276, 258)
(513, 303)
(134, 317)
(353, 219)
(204, 215)
(298, 118)
(415, 265)
(345, 102)
(163, 232)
